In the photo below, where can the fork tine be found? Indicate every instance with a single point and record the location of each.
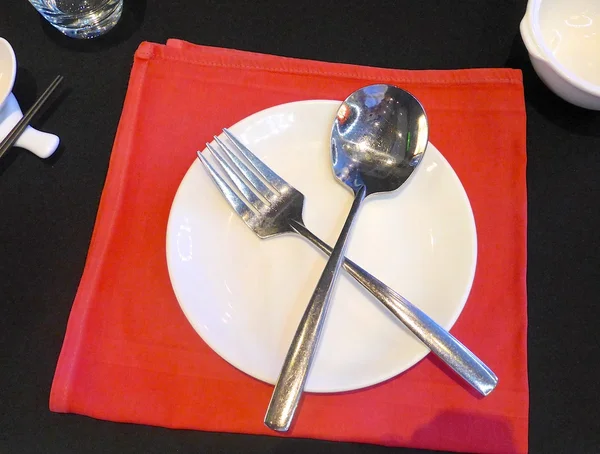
(248, 173)
(238, 205)
(279, 183)
(235, 178)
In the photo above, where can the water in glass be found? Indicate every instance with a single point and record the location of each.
(80, 18)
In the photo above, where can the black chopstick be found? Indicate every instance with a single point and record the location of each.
(14, 134)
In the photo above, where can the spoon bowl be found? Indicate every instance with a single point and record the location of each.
(378, 139)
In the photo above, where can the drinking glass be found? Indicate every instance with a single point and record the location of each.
(80, 18)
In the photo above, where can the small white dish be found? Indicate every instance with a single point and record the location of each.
(563, 41)
(245, 296)
(39, 143)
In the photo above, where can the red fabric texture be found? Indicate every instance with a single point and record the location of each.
(129, 353)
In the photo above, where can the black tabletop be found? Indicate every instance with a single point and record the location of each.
(49, 206)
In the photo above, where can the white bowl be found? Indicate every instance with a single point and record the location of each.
(563, 41)
(8, 70)
(39, 143)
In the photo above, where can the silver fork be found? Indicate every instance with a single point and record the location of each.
(271, 206)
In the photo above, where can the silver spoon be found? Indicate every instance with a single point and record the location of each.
(378, 139)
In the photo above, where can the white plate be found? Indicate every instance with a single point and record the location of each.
(245, 296)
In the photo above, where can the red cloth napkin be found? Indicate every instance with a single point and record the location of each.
(129, 353)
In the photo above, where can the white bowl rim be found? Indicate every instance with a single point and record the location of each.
(13, 71)
(533, 11)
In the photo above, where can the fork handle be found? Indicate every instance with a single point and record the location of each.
(437, 339)
(301, 353)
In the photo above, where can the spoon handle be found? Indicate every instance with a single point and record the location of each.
(437, 339)
(300, 355)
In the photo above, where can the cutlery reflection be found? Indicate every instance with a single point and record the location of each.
(270, 206)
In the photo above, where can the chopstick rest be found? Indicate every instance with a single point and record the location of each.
(40, 143)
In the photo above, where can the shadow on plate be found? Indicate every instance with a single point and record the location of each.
(131, 19)
(567, 116)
